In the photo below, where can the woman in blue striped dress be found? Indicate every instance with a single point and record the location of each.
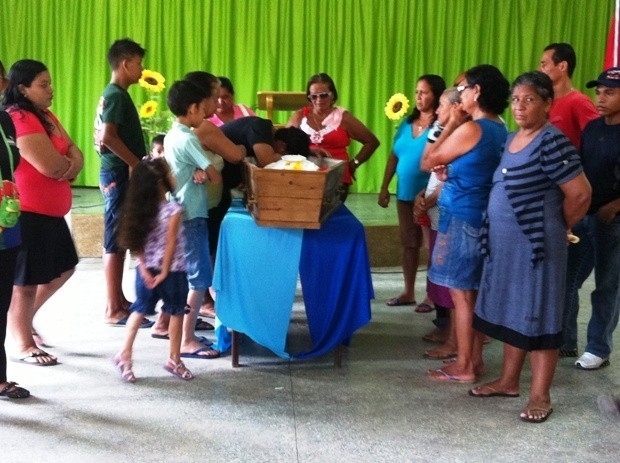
(539, 192)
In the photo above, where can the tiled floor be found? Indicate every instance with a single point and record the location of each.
(379, 407)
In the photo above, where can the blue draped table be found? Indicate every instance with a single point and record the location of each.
(255, 279)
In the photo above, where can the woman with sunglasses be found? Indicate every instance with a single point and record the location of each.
(331, 127)
(465, 155)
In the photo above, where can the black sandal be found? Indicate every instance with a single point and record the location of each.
(13, 391)
(203, 325)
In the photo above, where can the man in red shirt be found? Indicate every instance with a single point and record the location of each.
(570, 111)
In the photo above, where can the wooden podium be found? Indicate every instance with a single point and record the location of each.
(281, 101)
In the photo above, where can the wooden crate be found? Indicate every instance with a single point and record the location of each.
(293, 198)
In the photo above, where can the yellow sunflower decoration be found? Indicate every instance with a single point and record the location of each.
(153, 81)
(154, 115)
(397, 106)
(148, 109)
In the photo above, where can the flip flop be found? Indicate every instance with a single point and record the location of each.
(209, 353)
(205, 341)
(123, 321)
(424, 308)
(436, 336)
(542, 419)
(32, 358)
(13, 391)
(202, 325)
(438, 354)
(396, 302)
(160, 336)
(209, 313)
(440, 375)
(494, 392)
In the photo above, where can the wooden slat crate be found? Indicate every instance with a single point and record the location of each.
(293, 198)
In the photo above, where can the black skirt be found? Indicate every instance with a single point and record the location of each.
(47, 249)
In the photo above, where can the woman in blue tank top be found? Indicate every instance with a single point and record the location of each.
(466, 155)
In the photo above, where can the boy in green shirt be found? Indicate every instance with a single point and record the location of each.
(120, 144)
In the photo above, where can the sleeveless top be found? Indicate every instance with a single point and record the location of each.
(466, 191)
(333, 138)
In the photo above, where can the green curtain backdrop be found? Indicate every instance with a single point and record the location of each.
(372, 48)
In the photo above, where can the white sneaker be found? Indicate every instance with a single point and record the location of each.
(590, 361)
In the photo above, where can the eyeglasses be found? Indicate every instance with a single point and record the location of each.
(461, 88)
(322, 96)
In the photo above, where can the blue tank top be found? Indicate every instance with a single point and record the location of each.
(466, 192)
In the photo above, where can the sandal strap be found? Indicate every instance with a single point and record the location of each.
(9, 385)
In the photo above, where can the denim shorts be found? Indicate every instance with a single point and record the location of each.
(457, 262)
(197, 257)
(172, 292)
(113, 185)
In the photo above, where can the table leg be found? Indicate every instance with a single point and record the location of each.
(234, 350)
(338, 356)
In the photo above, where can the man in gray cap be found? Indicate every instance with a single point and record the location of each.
(600, 156)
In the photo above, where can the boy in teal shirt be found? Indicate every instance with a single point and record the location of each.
(183, 151)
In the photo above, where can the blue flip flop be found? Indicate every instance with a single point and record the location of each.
(210, 353)
(123, 321)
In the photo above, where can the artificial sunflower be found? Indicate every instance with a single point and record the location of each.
(148, 109)
(397, 106)
(152, 81)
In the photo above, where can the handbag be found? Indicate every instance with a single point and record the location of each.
(9, 196)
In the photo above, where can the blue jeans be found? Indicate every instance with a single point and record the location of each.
(579, 266)
(605, 297)
(113, 185)
(197, 257)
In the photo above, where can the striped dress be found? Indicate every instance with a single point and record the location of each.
(523, 283)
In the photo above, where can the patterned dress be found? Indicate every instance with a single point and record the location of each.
(521, 296)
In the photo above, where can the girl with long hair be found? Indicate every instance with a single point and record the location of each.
(151, 227)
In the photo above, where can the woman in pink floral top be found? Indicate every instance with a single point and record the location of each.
(331, 128)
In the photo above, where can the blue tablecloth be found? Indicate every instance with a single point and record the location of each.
(256, 274)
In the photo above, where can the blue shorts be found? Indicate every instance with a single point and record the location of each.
(172, 292)
(457, 262)
(197, 256)
(113, 185)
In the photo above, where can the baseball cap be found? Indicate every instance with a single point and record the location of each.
(608, 78)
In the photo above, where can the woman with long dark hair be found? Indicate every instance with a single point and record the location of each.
(49, 162)
(404, 161)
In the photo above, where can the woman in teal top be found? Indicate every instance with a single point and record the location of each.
(404, 161)
(466, 155)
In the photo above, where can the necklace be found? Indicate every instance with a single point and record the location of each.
(319, 122)
(316, 135)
